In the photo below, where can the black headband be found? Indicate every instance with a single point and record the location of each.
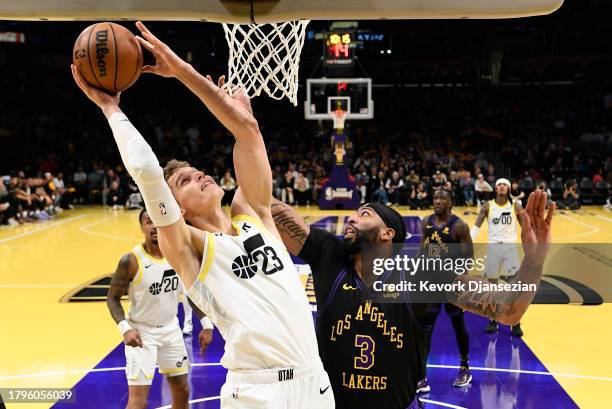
(391, 218)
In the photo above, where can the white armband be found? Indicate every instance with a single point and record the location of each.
(474, 232)
(206, 323)
(143, 167)
(124, 326)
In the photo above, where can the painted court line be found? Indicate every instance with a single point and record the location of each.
(526, 372)
(594, 229)
(85, 229)
(607, 219)
(36, 286)
(475, 368)
(433, 402)
(43, 228)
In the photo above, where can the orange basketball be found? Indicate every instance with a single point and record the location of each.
(108, 56)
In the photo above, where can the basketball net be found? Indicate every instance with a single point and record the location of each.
(339, 116)
(265, 57)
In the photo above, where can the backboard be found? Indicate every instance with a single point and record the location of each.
(266, 11)
(352, 95)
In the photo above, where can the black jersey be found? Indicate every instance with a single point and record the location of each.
(436, 237)
(371, 351)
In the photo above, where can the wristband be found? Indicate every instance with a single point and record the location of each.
(474, 232)
(124, 327)
(206, 323)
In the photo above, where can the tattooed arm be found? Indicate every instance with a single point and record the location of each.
(125, 272)
(292, 228)
(508, 307)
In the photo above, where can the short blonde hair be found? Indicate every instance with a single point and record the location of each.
(173, 166)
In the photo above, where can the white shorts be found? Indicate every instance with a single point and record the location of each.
(163, 346)
(303, 387)
(502, 259)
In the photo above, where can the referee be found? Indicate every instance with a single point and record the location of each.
(373, 351)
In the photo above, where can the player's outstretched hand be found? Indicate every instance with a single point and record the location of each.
(101, 98)
(536, 223)
(167, 63)
(132, 338)
(205, 337)
(234, 91)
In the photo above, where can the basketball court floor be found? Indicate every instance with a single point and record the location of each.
(57, 332)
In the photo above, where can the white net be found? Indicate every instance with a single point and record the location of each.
(266, 57)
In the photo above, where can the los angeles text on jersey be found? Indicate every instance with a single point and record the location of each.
(472, 286)
(366, 346)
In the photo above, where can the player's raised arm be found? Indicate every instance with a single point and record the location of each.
(251, 163)
(508, 307)
(176, 240)
(293, 229)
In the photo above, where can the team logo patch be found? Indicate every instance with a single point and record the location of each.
(244, 267)
(180, 363)
(155, 288)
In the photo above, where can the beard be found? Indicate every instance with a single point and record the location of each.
(356, 244)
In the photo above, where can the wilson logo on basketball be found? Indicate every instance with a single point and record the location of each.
(101, 51)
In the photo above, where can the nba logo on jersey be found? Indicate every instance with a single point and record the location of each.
(235, 393)
(162, 208)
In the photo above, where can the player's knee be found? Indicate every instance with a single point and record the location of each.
(137, 401)
(180, 386)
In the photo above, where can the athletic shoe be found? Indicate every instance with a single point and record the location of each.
(187, 327)
(423, 386)
(492, 327)
(463, 379)
(516, 330)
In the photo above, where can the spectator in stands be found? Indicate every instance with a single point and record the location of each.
(466, 184)
(439, 179)
(598, 177)
(7, 213)
(115, 197)
(395, 187)
(362, 179)
(571, 196)
(413, 178)
(287, 187)
(80, 184)
(228, 184)
(483, 190)
(491, 177)
(379, 193)
(516, 193)
(418, 197)
(302, 190)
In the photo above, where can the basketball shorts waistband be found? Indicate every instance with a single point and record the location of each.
(265, 376)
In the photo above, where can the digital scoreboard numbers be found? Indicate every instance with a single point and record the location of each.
(339, 49)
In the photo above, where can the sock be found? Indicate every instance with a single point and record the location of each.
(465, 362)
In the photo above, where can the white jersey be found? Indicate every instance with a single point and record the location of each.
(502, 223)
(250, 289)
(154, 291)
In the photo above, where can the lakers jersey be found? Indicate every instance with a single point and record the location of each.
(154, 291)
(250, 289)
(502, 223)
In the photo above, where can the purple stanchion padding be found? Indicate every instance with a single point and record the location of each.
(339, 192)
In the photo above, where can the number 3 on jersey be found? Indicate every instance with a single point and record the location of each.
(366, 345)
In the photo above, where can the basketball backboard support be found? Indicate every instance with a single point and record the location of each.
(266, 11)
(325, 95)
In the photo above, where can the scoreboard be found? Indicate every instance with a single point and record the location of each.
(339, 49)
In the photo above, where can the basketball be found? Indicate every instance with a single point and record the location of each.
(108, 56)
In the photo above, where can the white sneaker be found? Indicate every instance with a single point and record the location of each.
(187, 327)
